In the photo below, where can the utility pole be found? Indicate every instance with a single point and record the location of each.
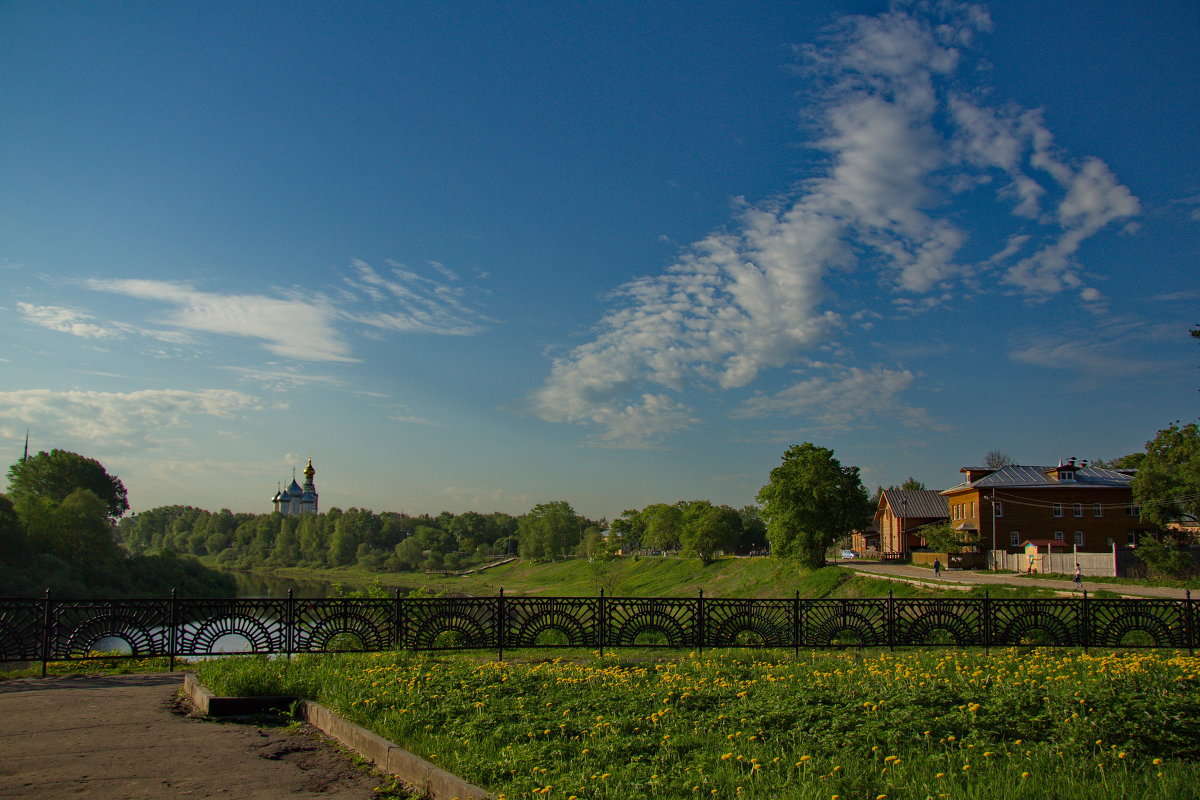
(993, 528)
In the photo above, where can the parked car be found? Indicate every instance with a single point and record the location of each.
(849, 554)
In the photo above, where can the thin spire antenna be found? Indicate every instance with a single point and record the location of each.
(25, 457)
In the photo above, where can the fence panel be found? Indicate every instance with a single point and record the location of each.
(46, 629)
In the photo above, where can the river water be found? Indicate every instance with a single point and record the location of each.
(257, 584)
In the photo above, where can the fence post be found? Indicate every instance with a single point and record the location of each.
(1189, 622)
(891, 612)
(396, 620)
(987, 622)
(289, 624)
(45, 630)
(174, 626)
(500, 626)
(601, 624)
(700, 623)
(796, 624)
(1086, 622)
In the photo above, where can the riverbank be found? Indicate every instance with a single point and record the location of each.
(646, 576)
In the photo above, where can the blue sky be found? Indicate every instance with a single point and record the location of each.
(477, 255)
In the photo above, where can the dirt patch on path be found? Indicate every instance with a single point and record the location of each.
(121, 737)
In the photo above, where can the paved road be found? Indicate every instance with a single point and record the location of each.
(925, 575)
(120, 737)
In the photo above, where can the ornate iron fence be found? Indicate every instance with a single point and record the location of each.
(50, 629)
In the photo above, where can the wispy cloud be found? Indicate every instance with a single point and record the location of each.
(844, 396)
(304, 327)
(1103, 351)
(66, 320)
(282, 379)
(408, 302)
(901, 139)
(290, 326)
(119, 418)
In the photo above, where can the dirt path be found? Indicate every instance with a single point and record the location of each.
(925, 575)
(119, 737)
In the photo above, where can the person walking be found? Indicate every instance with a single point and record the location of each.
(937, 568)
(1078, 579)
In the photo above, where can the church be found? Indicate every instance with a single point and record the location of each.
(297, 499)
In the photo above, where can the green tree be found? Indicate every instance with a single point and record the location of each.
(1167, 484)
(628, 529)
(550, 530)
(753, 532)
(1131, 461)
(57, 474)
(941, 537)
(12, 532)
(661, 526)
(810, 502)
(707, 530)
(77, 529)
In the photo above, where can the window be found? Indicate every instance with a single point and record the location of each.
(1067, 475)
(1014, 538)
(1079, 538)
(1056, 510)
(999, 508)
(1109, 543)
(1133, 536)
(972, 509)
(1132, 511)
(1097, 510)
(1059, 536)
(1078, 509)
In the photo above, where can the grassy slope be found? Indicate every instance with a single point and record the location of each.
(654, 577)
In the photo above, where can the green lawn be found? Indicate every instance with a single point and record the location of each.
(912, 724)
(656, 577)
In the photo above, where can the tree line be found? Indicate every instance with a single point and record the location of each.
(57, 532)
(387, 541)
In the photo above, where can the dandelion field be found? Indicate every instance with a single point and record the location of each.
(766, 725)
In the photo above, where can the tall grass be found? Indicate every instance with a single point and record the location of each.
(912, 724)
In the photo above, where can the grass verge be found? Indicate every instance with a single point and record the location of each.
(762, 724)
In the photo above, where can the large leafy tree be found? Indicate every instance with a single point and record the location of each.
(550, 530)
(1167, 484)
(56, 474)
(810, 502)
(707, 529)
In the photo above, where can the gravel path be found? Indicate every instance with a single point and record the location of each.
(924, 575)
(120, 737)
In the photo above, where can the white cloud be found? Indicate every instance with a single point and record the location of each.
(119, 418)
(66, 320)
(900, 143)
(294, 327)
(412, 303)
(282, 379)
(836, 401)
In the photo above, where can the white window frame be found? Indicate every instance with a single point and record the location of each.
(1014, 538)
(1079, 538)
(1077, 509)
(1097, 510)
(1056, 510)
(998, 508)
(1060, 536)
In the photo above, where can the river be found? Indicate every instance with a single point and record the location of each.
(259, 584)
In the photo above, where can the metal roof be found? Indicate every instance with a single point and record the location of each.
(916, 503)
(1016, 475)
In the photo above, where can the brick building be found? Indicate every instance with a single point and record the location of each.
(1081, 506)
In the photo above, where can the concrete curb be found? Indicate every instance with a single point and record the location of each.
(437, 783)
